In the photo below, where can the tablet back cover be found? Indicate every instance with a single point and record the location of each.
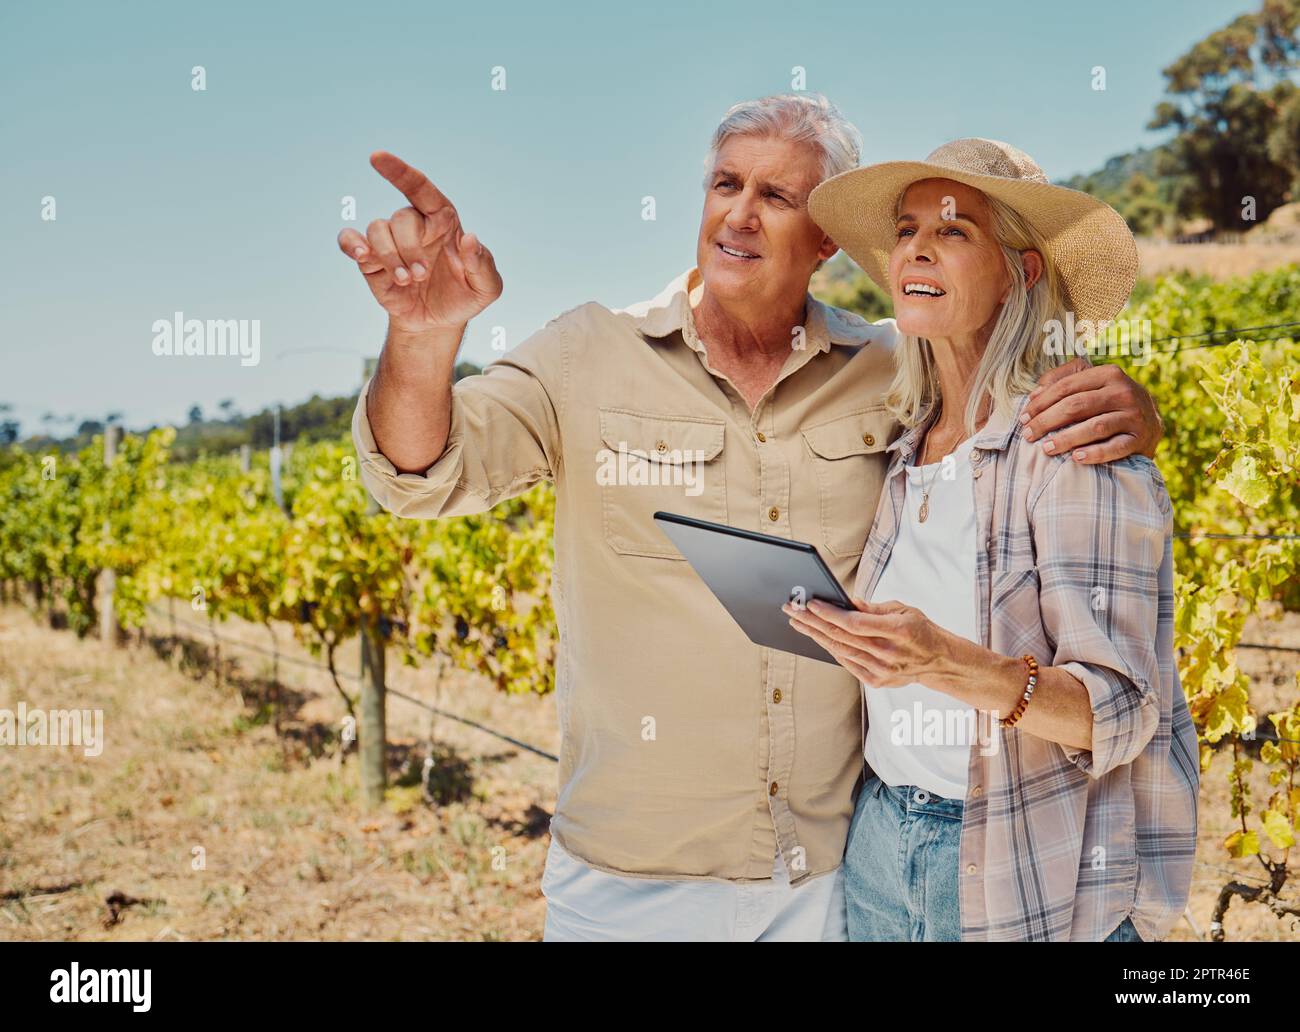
(753, 575)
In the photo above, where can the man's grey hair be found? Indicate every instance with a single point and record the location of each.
(797, 117)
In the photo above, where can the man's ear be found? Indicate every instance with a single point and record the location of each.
(1033, 263)
(827, 250)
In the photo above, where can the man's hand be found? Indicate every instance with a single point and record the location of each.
(431, 278)
(1102, 407)
(427, 273)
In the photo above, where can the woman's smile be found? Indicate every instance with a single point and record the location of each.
(921, 286)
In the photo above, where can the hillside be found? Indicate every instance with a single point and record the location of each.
(315, 419)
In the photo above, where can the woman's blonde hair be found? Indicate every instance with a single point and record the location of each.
(1014, 357)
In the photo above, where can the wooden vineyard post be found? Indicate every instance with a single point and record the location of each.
(108, 578)
(373, 729)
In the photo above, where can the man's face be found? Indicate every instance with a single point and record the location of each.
(757, 243)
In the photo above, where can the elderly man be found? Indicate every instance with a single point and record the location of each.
(706, 784)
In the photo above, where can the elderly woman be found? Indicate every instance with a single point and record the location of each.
(1031, 762)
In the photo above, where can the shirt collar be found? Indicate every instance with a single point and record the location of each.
(670, 312)
(1002, 426)
(995, 436)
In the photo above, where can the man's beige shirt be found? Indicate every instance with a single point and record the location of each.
(686, 750)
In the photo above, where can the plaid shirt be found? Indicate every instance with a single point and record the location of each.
(1075, 566)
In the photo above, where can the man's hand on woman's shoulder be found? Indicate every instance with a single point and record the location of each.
(1098, 413)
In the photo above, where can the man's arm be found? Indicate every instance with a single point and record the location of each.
(1108, 415)
(503, 434)
(409, 399)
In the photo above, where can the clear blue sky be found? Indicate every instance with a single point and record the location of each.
(225, 204)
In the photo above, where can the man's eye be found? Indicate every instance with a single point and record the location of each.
(905, 231)
(723, 182)
(777, 197)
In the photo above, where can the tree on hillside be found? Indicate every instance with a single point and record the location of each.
(1144, 205)
(1231, 98)
(841, 283)
(8, 427)
(1130, 184)
(1284, 142)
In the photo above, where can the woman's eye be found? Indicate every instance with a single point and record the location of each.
(954, 229)
(904, 232)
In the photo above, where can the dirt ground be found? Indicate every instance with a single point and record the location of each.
(202, 819)
(220, 828)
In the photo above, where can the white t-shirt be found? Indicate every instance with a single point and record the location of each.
(916, 735)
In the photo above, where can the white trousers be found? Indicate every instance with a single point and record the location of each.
(587, 905)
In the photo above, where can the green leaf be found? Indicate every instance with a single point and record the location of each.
(1246, 482)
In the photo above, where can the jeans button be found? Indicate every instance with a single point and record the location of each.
(922, 796)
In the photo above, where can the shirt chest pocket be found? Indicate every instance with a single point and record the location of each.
(848, 456)
(651, 461)
(1015, 609)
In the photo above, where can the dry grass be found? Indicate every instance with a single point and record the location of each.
(288, 850)
(1219, 261)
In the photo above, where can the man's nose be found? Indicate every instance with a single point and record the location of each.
(742, 216)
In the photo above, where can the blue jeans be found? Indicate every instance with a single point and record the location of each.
(900, 867)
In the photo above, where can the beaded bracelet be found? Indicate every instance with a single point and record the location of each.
(1016, 713)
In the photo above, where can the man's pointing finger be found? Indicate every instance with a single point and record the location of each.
(422, 194)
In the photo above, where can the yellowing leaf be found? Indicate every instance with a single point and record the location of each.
(1278, 829)
(1242, 844)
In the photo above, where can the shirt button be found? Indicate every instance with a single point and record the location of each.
(977, 471)
(977, 791)
(661, 447)
(970, 868)
(975, 455)
(772, 789)
(774, 514)
(761, 437)
(868, 440)
(776, 695)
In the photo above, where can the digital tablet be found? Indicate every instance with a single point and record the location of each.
(753, 575)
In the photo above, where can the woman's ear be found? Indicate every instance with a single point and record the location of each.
(1033, 263)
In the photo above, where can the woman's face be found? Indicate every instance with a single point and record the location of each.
(946, 272)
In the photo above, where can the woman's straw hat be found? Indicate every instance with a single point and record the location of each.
(1088, 242)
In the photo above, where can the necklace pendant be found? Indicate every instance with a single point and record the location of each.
(925, 509)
